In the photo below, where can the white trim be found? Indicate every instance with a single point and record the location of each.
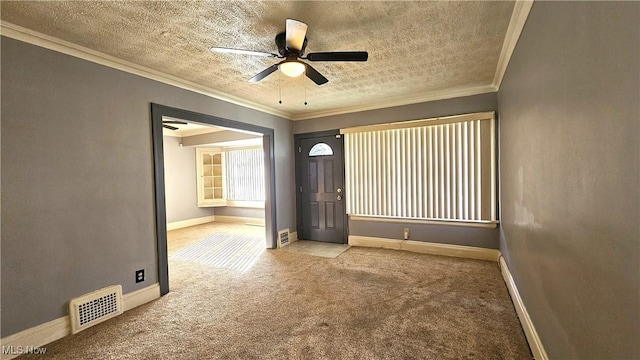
(37, 336)
(142, 296)
(53, 330)
(470, 252)
(475, 224)
(519, 16)
(521, 10)
(49, 42)
(426, 97)
(239, 220)
(537, 349)
(293, 236)
(190, 222)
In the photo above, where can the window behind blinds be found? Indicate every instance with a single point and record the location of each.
(245, 174)
(439, 169)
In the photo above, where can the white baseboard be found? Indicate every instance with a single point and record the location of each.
(53, 330)
(239, 220)
(190, 222)
(293, 236)
(527, 325)
(35, 337)
(426, 247)
(139, 297)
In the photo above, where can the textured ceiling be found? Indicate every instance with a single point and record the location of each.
(414, 48)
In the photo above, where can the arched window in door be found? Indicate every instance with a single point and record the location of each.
(321, 149)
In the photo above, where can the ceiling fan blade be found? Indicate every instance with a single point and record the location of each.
(174, 122)
(264, 73)
(339, 56)
(315, 76)
(170, 127)
(242, 52)
(295, 33)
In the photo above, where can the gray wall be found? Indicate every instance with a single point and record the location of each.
(426, 110)
(215, 137)
(180, 182)
(479, 237)
(242, 212)
(77, 178)
(445, 234)
(570, 155)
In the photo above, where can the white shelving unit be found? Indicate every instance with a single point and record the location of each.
(210, 177)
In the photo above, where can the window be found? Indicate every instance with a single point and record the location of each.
(437, 169)
(320, 149)
(245, 174)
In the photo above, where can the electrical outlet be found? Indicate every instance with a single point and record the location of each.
(406, 233)
(140, 276)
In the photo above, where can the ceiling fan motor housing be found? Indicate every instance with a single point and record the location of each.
(281, 43)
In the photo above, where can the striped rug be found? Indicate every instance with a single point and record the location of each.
(229, 251)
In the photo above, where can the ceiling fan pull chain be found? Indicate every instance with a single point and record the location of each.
(304, 85)
(280, 89)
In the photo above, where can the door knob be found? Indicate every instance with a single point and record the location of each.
(338, 190)
(339, 197)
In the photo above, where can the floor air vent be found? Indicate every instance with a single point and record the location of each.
(283, 237)
(95, 307)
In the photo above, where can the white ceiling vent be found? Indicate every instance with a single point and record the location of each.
(95, 307)
(283, 237)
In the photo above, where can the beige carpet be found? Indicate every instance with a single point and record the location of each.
(364, 304)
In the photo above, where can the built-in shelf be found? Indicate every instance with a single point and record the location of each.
(210, 181)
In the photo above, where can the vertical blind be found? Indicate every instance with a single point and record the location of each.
(435, 170)
(244, 169)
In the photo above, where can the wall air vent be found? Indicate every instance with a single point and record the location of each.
(283, 237)
(95, 307)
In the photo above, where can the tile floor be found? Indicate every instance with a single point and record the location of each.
(315, 248)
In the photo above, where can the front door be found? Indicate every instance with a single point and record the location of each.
(322, 188)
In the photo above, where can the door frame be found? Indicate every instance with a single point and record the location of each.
(297, 138)
(157, 113)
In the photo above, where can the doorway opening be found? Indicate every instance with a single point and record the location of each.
(220, 149)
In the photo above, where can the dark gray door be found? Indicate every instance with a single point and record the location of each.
(322, 182)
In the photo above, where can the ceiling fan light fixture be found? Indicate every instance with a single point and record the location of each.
(292, 68)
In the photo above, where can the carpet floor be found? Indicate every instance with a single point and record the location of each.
(364, 304)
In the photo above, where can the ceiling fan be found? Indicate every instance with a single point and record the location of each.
(164, 124)
(291, 45)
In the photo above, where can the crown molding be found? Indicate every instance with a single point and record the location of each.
(516, 24)
(519, 17)
(49, 42)
(425, 97)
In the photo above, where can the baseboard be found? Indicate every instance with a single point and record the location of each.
(190, 222)
(239, 220)
(34, 338)
(426, 247)
(136, 298)
(293, 237)
(527, 325)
